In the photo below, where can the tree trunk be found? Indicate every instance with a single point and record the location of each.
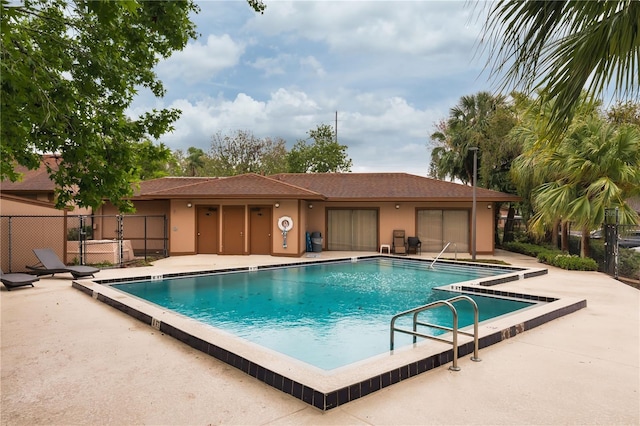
(584, 243)
(554, 232)
(565, 236)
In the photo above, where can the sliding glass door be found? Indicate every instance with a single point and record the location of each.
(438, 227)
(352, 229)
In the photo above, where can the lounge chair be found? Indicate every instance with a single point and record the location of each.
(399, 243)
(51, 264)
(13, 280)
(414, 245)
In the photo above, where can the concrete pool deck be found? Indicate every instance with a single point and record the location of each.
(69, 359)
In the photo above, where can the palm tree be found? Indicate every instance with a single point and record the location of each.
(482, 120)
(529, 170)
(564, 47)
(471, 123)
(195, 160)
(595, 167)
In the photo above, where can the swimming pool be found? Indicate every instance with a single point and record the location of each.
(327, 389)
(328, 315)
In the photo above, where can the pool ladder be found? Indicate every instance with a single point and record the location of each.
(448, 303)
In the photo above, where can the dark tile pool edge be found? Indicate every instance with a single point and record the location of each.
(328, 400)
(484, 290)
(507, 268)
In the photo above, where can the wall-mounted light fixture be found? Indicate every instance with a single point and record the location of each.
(189, 205)
(397, 206)
(489, 206)
(277, 205)
(310, 206)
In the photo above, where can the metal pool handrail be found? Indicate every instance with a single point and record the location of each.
(448, 303)
(439, 254)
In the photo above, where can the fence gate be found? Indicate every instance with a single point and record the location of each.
(611, 251)
(115, 240)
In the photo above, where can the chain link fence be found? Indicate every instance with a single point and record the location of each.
(83, 240)
(617, 237)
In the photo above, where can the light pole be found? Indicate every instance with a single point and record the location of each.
(473, 208)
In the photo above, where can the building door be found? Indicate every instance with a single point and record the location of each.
(233, 230)
(260, 230)
(207, 230)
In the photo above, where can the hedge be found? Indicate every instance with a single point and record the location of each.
(553, 256)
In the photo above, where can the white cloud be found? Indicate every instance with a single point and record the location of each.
(416, 27)
(311, 63)
(391, 135)
(200, 62)
(271, 66)
(390, 69)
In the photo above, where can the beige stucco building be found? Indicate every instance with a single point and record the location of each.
(352, 211)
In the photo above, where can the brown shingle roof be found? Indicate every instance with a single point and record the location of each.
(387, 186)
(241, 186)
(33, 180)
(306, 186)
(168, 183)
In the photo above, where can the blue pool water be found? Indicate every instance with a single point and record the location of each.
(329, 314)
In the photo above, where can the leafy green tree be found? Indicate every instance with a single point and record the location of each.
(69, 70)
(624, 113)
(176, 166)
(274, 157)
(323, 155)
(563, 47)
(242, 152)
(154, 161)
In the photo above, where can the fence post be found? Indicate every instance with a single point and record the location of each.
(145, 238)
(610, 229)
(120, 240)
(10, 243)
(166, 236)
(82, 239)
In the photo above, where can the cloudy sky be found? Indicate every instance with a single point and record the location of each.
(391, 70)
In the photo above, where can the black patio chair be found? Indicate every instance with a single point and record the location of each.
(414, 245)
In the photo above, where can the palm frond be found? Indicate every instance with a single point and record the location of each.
(564, 47)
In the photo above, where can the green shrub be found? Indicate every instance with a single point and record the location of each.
(548, 256)
(574, 263)
(629, 264)
(528, 249)
(553, 256)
